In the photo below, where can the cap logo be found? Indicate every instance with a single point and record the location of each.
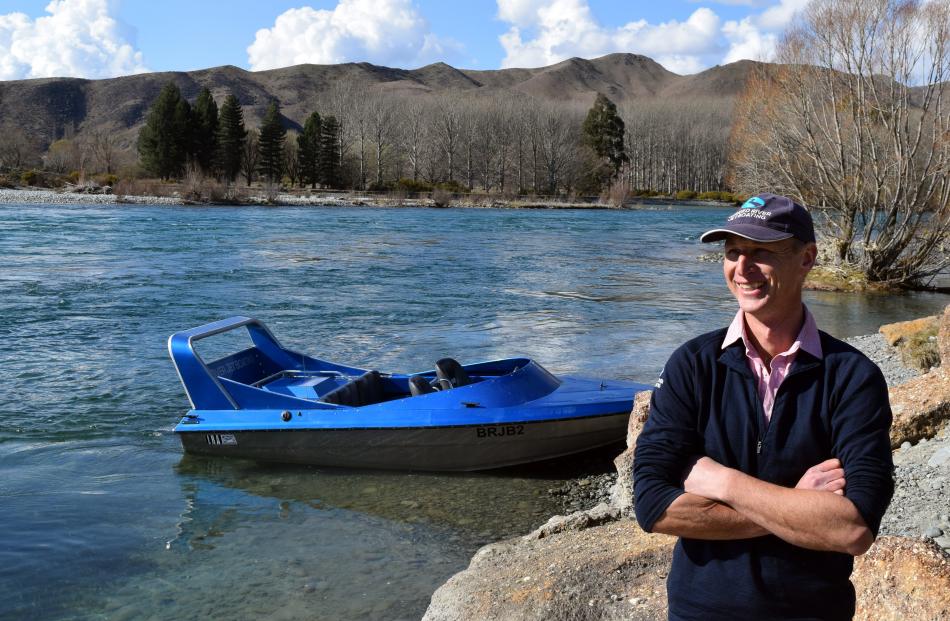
(753, 203)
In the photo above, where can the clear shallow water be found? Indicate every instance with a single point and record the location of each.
(102, 516)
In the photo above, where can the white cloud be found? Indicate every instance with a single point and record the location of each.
(747, 41)
(780, 15)
(79, 38)
(388, 32)
(566, 28)
(543, 32)
(755, 37)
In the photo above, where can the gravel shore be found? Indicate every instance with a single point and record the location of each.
(921, 503)
(50, 197)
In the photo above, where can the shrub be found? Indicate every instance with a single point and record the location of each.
(721, 195)
(615, 194)
(685, 195)
(413, 186)
(379, 187)
(441, 197)
(29, 177)
(73, 176)
(452, 186)
(107, 179)
(920, 349)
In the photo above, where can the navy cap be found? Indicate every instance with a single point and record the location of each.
(766, 218)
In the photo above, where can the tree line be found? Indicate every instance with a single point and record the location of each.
(500, 143)
(178, 136)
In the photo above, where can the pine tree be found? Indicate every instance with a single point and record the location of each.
(308, 151)
(164, 142)
(204, 132)
(329, 164)
(271, 146)
(230, 138)
(603, 132)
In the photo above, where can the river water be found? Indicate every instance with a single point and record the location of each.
(103, 518)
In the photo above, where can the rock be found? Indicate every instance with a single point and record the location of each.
(896, 332)
(943, 338)
(902, 578)
(613, 571)
(621, 495)
(601, 514)
(940, 457)
(921, 407)
(933, 532)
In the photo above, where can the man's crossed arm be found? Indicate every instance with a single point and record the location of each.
(723, 503)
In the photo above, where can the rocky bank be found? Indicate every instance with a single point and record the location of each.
(598, 564)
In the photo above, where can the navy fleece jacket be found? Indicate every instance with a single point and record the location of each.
(706, 403)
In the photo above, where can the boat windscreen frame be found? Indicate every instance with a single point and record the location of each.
(202, 387)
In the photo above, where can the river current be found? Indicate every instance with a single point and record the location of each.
(103, 517)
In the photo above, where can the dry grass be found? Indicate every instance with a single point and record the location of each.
(919, 350)
(838, 278)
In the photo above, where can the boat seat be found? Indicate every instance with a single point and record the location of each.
(451, 374)
(419, 385)
(367, 389)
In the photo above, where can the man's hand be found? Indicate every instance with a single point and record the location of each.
(806, 516)
(828, 476)
(706, 477)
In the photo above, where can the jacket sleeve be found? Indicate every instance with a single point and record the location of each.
(861, 422)
(668, 440)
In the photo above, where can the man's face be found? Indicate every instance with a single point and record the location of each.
(766, 277)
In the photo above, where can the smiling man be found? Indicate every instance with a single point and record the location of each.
(766, 450)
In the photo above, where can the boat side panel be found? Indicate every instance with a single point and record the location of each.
(463, 448)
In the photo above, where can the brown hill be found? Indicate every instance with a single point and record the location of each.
(49, 108)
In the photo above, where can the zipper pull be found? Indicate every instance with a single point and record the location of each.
(758, 447)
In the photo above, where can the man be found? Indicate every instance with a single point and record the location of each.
(766, 450)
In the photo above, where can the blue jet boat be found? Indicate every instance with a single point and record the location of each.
(269, 403)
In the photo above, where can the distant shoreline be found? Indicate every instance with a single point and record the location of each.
(38, 196)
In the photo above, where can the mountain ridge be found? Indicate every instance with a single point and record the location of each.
(50, 108)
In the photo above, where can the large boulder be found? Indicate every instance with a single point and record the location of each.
(621, 494)
(611, 571)
(921, 406)
(900, 579)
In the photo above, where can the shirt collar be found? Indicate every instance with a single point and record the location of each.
(808, 338)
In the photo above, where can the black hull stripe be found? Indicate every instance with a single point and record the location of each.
(485, 424)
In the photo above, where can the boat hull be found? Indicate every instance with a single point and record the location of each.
(449, 448)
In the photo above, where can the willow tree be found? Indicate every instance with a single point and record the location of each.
(854, 122)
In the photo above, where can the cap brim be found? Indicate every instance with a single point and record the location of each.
(755, 233)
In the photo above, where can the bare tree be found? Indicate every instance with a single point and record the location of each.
(16, 150)
(411, 136)
(104, 145)
(845, 130)
(557, 138)
(448, 130)
(291, 163)
(380, 112)
(249, 155)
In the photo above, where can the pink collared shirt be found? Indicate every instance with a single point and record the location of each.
(770, 377)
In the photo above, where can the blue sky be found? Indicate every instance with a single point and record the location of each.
(104, 38)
